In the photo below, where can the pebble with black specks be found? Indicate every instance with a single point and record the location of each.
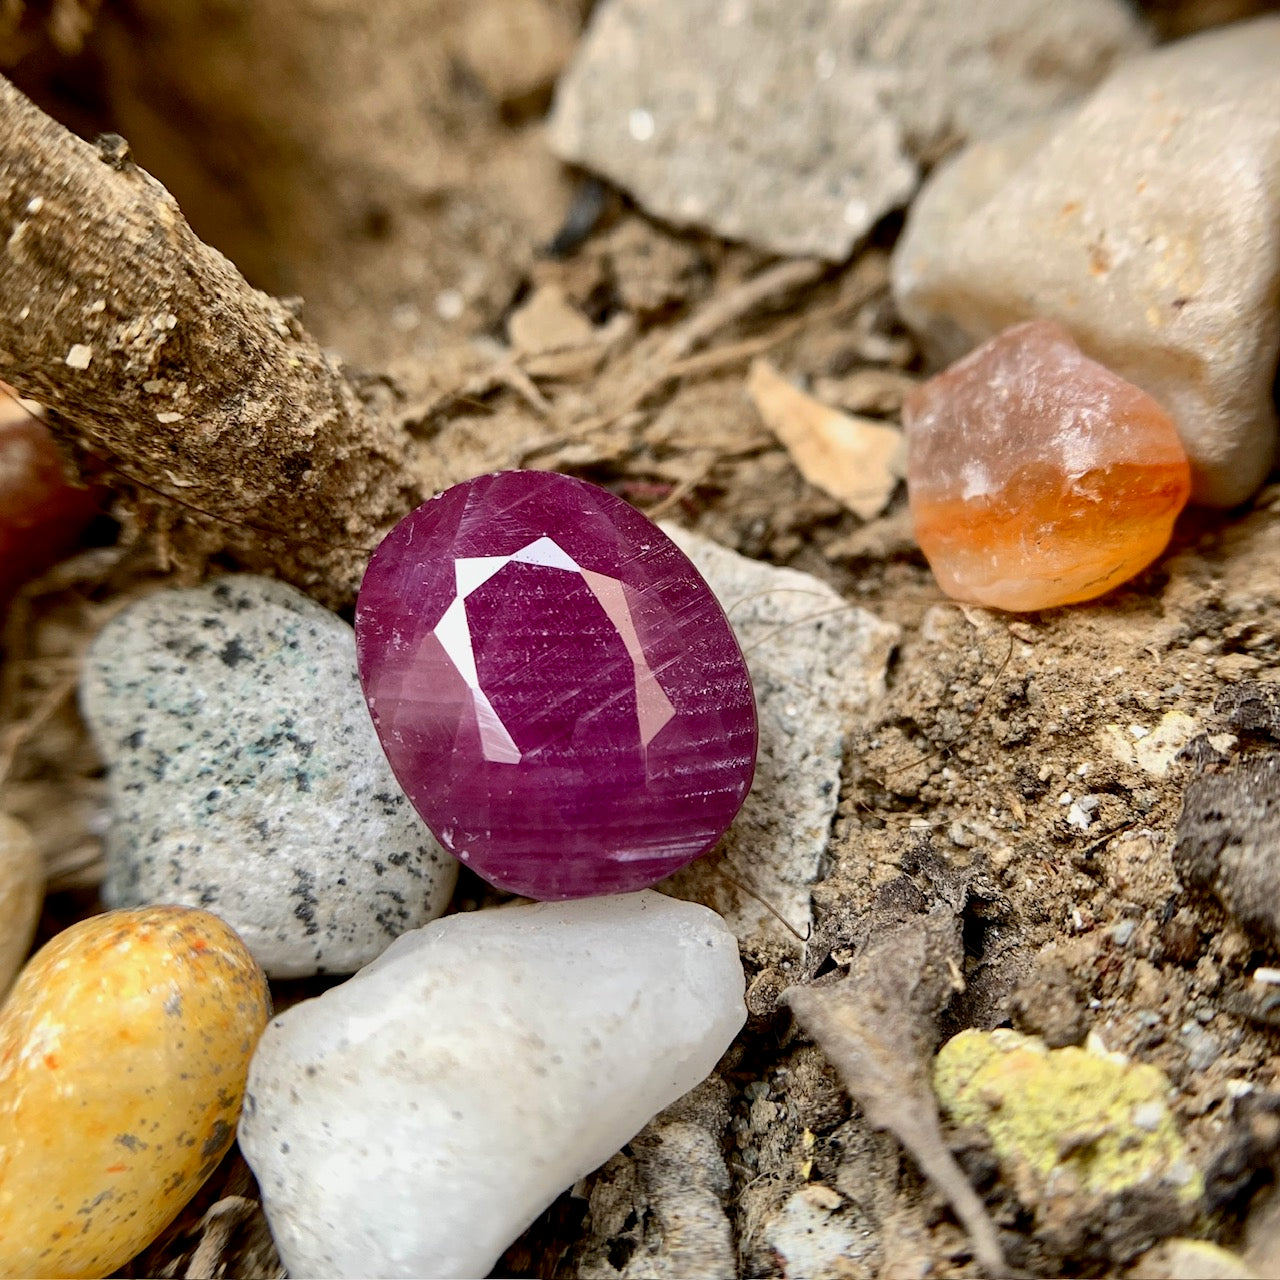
(246, 777)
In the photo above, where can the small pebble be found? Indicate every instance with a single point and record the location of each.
(21, 893)
(246, 777)
(1149, 1115)
(1036, 476)
(414, 1120)
(1122, 932)
(124, 1047)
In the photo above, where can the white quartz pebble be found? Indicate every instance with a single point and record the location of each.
(414, 1120)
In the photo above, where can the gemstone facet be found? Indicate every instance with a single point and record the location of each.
(555, 686)
(1036, 476)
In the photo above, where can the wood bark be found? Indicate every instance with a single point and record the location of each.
(155, 353)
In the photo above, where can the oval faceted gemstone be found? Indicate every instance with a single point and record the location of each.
(1036, 476)
(555, 686)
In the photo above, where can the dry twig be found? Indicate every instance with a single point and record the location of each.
(155, 353)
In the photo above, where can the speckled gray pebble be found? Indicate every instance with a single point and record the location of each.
(246, 777)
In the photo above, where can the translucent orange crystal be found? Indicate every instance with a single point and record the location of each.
(1036, 476)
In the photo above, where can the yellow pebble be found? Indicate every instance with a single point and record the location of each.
(124, 1047)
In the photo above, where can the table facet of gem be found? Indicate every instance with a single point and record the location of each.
(556, 687)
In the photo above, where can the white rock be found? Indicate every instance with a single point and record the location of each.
(818, 1235)
(414, 1120)
(1148, 222)
(21, 893)
(796, 126)
(816, 663)
(246, 777)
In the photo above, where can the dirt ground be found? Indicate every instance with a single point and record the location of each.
(415, 209)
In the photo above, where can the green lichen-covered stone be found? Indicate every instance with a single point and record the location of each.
(1065, 1120)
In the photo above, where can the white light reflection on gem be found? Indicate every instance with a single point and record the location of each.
(653, 707)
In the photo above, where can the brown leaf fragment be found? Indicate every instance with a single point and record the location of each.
(878, 1025)
(856, 460)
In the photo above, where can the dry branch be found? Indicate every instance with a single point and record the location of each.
(155, 353)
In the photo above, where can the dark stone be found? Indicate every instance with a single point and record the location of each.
(1228, 840)
(1250, 707)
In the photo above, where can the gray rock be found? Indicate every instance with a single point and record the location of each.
(246, 777)
(1147, 222)
(414, 1120)
(816, 662)
(796, 126)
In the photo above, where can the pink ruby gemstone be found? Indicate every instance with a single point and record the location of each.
(555, 686)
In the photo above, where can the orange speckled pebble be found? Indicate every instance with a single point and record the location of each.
(124, 1047)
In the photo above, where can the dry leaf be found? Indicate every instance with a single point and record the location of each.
(855, 460)
(878, 1026)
